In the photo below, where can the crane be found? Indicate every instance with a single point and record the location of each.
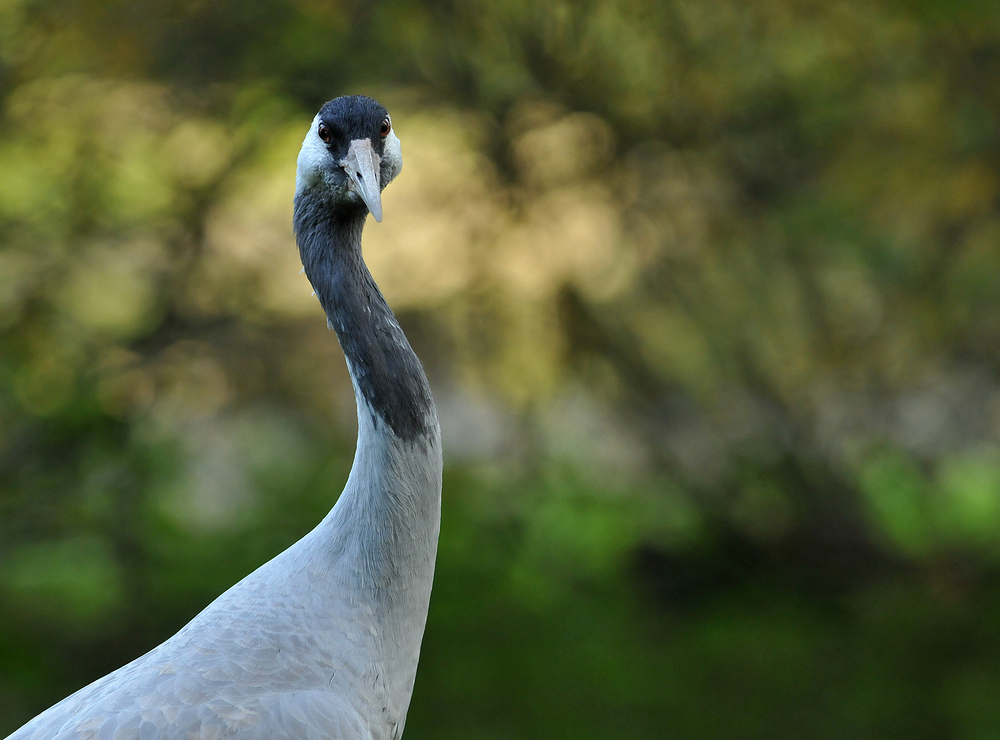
(323, 640)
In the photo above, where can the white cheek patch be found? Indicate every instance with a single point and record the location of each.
(313, 159)
(393, 155)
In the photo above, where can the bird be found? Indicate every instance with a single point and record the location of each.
(323, 640)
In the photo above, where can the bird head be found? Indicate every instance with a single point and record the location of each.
(349, 155)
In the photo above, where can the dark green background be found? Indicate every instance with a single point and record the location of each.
(740, 479)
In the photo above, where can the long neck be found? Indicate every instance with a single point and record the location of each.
(390, 507)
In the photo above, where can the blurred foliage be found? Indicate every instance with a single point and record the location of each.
(709, 298)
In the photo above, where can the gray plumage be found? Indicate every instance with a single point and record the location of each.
(323, 640)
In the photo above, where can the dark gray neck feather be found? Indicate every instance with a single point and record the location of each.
(386, 371)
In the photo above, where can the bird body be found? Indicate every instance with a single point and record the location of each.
(323, 640)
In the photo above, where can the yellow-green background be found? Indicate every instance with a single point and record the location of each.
(707, 292)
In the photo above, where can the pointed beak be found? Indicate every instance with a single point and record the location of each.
(362, 167)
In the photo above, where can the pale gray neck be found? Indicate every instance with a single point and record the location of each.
(398, 434)
(392, 498)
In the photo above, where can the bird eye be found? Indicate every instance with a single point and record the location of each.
(386, 127)
(324, 133)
